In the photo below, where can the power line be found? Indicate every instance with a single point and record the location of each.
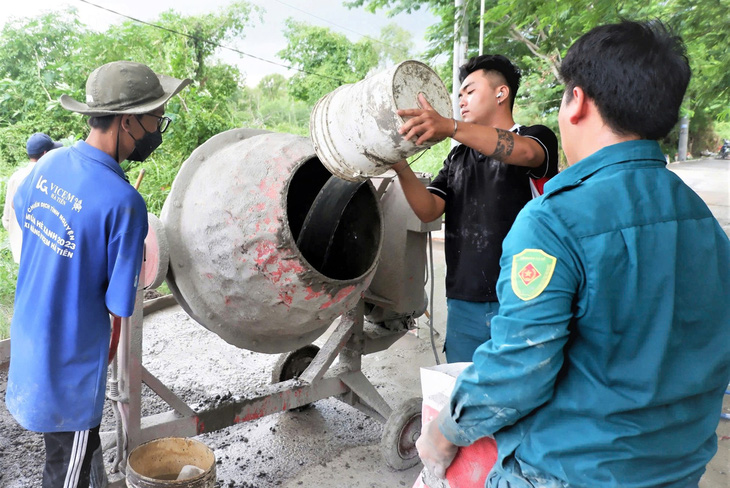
(189, 36)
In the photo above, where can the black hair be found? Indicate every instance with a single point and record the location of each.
(102, 122)
(498, 63)
(635, 72)
(35, 156)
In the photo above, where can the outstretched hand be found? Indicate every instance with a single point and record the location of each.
(425, 124)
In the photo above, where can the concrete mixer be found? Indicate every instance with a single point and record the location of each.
(263, 246)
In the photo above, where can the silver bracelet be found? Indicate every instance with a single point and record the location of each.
(456, 126)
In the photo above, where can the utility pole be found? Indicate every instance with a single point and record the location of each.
(683, 135)
(481, 30)
(461, 38)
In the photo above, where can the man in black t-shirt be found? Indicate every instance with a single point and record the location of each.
(486, 180)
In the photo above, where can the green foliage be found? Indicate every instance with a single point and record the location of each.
(325, 58)
(395, 44)
(723, 131)
(8, 277)
(45, 57)
(432, 160)
(34, 69)
(536, 35)
(272, 86)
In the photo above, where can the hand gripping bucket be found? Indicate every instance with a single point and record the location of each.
(171, 462)
(355, 127)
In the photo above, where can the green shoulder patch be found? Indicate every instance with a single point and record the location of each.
(532, 270)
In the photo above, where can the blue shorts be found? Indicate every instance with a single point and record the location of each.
(468, 326)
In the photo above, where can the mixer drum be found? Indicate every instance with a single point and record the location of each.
(233, 217)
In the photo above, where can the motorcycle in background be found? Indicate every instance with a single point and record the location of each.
(724, 152)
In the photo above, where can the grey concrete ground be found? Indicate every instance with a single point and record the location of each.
(328, 445)
(710, 178)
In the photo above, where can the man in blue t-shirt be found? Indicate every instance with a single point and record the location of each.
(83, 227)
(606, 366)
(485, 181)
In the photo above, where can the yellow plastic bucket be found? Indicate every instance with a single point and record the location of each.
(157, 464)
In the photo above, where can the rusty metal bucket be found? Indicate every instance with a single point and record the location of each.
(355, 127)
(232, 220)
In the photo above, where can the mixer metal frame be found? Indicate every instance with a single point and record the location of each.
(352, 338)
(302, 376)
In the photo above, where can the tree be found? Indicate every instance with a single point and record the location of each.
(272, 86)
(35, 67)
(393, 45)
(704, 27)
(42, 58)
(537, 34)
(325, 60)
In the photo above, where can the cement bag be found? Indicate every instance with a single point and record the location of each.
(472, 464)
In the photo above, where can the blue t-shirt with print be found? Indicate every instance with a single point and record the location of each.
(83, 233)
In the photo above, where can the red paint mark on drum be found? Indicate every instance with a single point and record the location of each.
(286, 269)
(278, 271)
(266, 253)
(341, 295)
(285, 299)
(313, 294)
(270, 191)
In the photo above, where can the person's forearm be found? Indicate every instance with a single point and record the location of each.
(500, 144)
(422, 201)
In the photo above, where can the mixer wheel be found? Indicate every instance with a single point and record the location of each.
(292, 364)
(402, 429)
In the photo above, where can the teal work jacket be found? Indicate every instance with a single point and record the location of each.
(611, 351)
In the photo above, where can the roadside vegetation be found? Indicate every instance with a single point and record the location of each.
(43, 57)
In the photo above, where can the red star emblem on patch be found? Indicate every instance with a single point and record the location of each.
(528, 274)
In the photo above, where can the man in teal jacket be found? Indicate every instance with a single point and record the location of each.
(611, 351)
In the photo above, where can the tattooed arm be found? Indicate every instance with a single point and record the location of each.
(506, 146)
(427, 125)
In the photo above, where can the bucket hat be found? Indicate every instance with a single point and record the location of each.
(124, 87)
(39, 143)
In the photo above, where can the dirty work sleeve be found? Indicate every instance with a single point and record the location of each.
(515, 371)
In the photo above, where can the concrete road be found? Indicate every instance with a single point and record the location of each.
(710, 178)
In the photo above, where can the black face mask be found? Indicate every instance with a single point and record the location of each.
(144, 146)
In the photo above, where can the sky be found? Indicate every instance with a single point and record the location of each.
(263, 40)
